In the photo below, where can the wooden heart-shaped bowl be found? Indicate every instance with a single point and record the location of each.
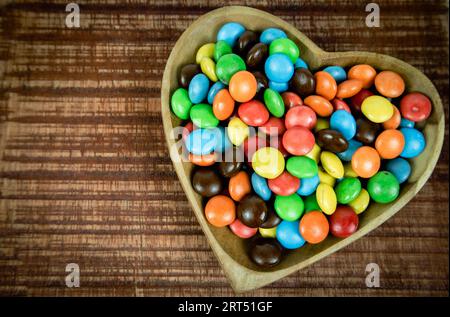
(228, 248)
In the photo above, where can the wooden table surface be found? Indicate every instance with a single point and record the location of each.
(85, 175)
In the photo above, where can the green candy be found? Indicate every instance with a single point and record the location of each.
(285, 46)
(203, 117)
(289, 208)
(311, 203)
(228, 65)
(274, 102)
(302, 167)
(383, 187)
(180, 103)
(347, 190)
(220, 49)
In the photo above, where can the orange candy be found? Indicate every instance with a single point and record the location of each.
(239, 186)
(220, 211)
(390, 143)
(349, 88)
(394, 121)
(363, 72)
(202, 160)
(320, 105)
(223, 105)
(366, 161)
(243, 86)
(325, 85)
(389, 84)
(314, 227)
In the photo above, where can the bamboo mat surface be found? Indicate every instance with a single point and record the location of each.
(85, 175)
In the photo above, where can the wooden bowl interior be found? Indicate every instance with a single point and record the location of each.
(203, 31)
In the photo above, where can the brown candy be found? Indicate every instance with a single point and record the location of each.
(303, 82)
(206, 182)
(187, 72)
(272, 218)
(256, 55)
(265, 252)
(246, 41)
(261, 81)
(331, 140)
(366, 131)
(252, 211)
(228, 169)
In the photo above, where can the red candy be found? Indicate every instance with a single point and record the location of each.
(284, 185)
(241, 230)
(274, 126)
(298, 141)
(343, 222)
(300, 116)
(291, 99)
(339, 104)
(415, 107)
(253, 143)
(253, 113)
(357, 100)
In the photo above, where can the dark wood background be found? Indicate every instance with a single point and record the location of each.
(85, 175)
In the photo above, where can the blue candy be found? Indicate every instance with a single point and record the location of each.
(414, 142)
(218, 86)
(222, 142)
(308, 185)
(271, 34)
(260, 187)
(343, 122)
(201, 141)
(353, 145)
(337, 72)
(278, 87)
(230, 32)
(279, 68)
(289, 236)
(400, 168)
(405, 123)
(198, 88)
(300, 63)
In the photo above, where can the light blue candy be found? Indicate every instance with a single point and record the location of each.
(198, 88)
(279, 68)
(300, 63)
(288, 235)
(337, 72)
(308, 185)
(230, 32)
(343, 122)
(414, 142)
(400, 168)
(271, 34)
(278, 87)
(201, 141)
(260, 187)
(353, 145)
(218, 86)
(222, 142)
(405, 123)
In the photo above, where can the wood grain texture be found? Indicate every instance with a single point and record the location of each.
(85, 175)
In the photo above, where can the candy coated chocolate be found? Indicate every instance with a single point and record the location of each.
(265, 252)
(331, 140)
(187, 72)
(257, 55)
(252, 211)
(246, 41)
(272, 218)
(366, 131)
(206, 182)
(303, 82)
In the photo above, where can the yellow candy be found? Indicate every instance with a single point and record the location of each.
(314, 153)
(360, 203)
(326, 198)
(268, 162)
(377, 109)
(237, 131)
(268, 233)
(332, 164)
(206, 50)
(326, 178)
(348, 171)
(321, 124)
(209, 68)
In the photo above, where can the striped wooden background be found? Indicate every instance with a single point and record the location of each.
(85, 175)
